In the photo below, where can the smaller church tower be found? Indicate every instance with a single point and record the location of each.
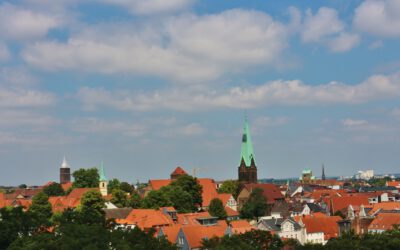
(247, 170)
(323, 172)
(65, 172)
(103, 183)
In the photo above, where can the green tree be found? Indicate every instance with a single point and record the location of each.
(156, 199)
(262, 240)
(181, 200)
(91, 208)
(189, 184)
(14, 223)
(54, 189)
(119, 198)
(256, 206)
(233, 242)
(40, 210)
(217, 209)
(125, 186)
(86, 178)
(113, 184)
(135, 200)
(230, 187)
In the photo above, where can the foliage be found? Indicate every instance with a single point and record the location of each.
(54, 189)
(40, 210)
(119, 198)
(135, 200)
(339, 213)
(189, 184)
(125, 186)
(230, 187)
(233, 242)
(22, 186)
(113, 184)
(14, 222)
(217, 209)
(256, 206)
(91, 209)
(86, 178)
(156, 199)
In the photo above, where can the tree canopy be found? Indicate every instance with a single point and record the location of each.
(86, 178)
(217, 209)
(230, 187)
(256, 206)
(54, 189)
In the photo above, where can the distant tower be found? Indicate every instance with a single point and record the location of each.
(247, 170)
(323, 172)
(103, 183)
(65, 172)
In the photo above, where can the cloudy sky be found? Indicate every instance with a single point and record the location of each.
(146, 86)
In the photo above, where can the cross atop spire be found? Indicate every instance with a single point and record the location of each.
(101, 174)
(64, 164)
(247, 153)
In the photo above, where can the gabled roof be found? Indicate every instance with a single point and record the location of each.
(77, 193)
(270, 191)
(146, 218)
(178, 171)
(384, 206)
(171, 232)
(195, 234)
(230, 212)
(66, 186)
(191, 218)
(158, 184)
(315, 207)
(385, 221)
(341, 203)
(241, 226)
(327, 225)
(224, 198)
(117, 213)
(273, 224)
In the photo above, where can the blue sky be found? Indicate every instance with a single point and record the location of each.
(146, 86)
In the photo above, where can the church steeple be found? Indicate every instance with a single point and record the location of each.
(103, 183)
(247, 153)
(247, 171)
(323, 172)
(65, 172)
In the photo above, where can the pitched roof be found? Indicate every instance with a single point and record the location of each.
(224, 198)
(270, 191)
(384, 206)
(247, 152)
(393, 183)
(241, 226)
(171, 232)
(66, 186)
(209, 191)
(385, 221)
(328, 225)
(178, 171)
(230, 212)
(77, 193)
(146, 218)
(340, 203)
(191, 218)
(117, 213)
(195, 234)
(157, 184)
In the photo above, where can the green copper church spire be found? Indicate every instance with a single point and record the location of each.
(247, 153)
(102, 175)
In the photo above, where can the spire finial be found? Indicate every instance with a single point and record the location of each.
(64, 164)
(101, 174)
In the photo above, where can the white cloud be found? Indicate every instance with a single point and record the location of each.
(378, 17)
(186, 48)
(20, 24)
(193, 129)
(324, 23)
(344, 42)
(146, 7)
(14, 118)
(277, 92)
(353, 123)
(17, 97)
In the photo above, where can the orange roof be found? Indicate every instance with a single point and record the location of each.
(79, 192)
(385, 206)
(195, 234)
(241, 226)
(171, 232)
(317, 194)
(191, 218)
(224, 198)
(385, 221)
(209, 191)
(179, 171)
(60, 203)
(231, 212)
(393, 183)
(66, 186)
(146, 218)
(2, 200)
(270, 191)
(341, 203)
(328, 225)
(157, 184)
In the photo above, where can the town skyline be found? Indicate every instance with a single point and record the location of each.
(148, 86)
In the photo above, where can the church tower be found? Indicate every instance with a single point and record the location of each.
(65, 172)
(103, 183)
(323, 172)
(247, 170)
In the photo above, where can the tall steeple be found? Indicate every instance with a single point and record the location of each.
(65, 172)
(323, 172)
(103, 183)
(247, 152)
(247, 171)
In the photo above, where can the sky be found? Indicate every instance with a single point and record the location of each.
(145, 86)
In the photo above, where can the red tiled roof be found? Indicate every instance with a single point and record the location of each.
(241, 226)
(341, 203)
(146, 218)
(319, 193)
(179, 171)
(328, 225)
(191, 218)
(195, 234)
(171, 232)
(224, 198)
(66, 186)
(385, 206)
(385, 221)
(230, 212)
(77, 193)
(270, 191)
(393, 183)
(157, 184)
